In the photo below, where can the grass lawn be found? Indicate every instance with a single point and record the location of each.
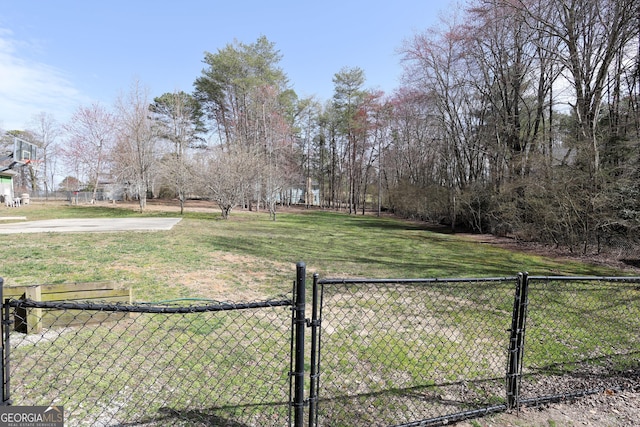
(251, 257)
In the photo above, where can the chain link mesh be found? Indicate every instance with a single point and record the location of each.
(581, 336)
(393, 353)
(163, 365)
(390, 352)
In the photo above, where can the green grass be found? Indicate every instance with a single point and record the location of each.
(331, 244)
(334, 243)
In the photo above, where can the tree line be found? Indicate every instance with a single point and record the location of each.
(514, 117)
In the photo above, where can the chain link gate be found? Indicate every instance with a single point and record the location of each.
(394, 351)
(582, 338)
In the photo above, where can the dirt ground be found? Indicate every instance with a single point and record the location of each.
(607, 409)
(610, 408)
(631, 264)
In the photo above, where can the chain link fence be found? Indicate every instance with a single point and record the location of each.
(582, 337)
(405, 352)
(438, 351)
(392, 352)
(220, 364)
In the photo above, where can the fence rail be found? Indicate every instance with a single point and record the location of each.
(364, 352)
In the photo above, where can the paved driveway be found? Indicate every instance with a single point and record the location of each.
(89, 225)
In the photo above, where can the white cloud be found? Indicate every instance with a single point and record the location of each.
(30, 87)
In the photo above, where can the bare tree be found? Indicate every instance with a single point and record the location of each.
(276, 137)
(592, 37)
(90, 140)
(411, 164)
(224, 176)
(436, 65)
(46, 131)
(592, 33)
(306, 121)
(136, 153)
(177, 119)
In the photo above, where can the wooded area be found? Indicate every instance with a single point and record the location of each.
(514, 117)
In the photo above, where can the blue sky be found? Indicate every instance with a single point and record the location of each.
(56, 55)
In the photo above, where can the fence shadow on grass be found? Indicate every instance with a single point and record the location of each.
(191, 417)
(209, 416)
(435, 393)
(214, 416)
(610, 366)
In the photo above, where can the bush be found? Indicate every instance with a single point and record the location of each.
(424, 203)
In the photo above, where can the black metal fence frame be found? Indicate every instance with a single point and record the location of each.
(528, 286)
(303, 407)
(513, 371)
(515, 352)
(6, 349)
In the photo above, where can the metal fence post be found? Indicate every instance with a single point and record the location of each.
(5, 332)
(516, 341)
(4, 343)
(300, 325)
(313, 384)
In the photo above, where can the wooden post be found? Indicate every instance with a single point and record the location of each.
(34, 315)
